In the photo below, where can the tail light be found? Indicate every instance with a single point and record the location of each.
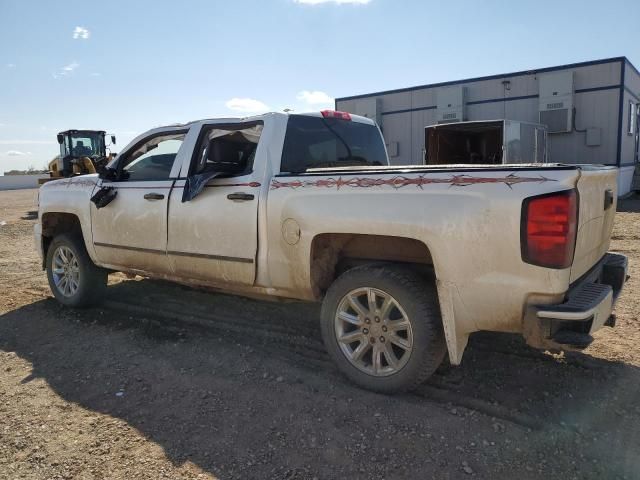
(548, 232)
(335, 114)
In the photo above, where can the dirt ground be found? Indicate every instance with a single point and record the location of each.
(169, 382)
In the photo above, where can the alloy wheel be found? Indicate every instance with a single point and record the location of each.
(373, 331)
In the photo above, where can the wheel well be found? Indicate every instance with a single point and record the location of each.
(55, 223)
(334, 253)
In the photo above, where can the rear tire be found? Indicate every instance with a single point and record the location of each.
(74, 279)
(381, 324)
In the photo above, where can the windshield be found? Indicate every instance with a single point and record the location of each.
(84, 144)
(317, 142)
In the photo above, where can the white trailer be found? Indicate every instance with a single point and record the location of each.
(485, 142)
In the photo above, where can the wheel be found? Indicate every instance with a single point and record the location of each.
(73, 278)
(381, 324)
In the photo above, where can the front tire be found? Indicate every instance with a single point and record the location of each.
(74, 279)
(381, 324)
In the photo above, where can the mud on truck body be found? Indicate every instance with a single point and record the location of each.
(407, 261)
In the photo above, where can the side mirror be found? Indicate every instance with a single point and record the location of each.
(108, 173)
(113, 139)
(60, 138)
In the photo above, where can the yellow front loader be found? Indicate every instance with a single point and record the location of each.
(81, 152)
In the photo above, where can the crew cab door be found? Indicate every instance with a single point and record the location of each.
(213, 237)
(131, 231)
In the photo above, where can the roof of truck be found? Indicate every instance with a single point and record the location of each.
(357, 118)
(182, 127)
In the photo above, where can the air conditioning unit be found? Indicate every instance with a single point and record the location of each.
(451, 104)
(556, 100)
(370, 108)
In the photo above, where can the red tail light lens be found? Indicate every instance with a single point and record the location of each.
(549, 226)
(335, 114)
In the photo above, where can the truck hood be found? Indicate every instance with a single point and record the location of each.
(80, 181)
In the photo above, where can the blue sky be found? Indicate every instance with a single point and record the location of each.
(128, 66)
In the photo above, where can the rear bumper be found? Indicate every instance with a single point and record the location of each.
(588, 305)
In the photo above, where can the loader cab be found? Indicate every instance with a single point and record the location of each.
(81, 144)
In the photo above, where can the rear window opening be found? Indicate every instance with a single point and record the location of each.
(319, 142)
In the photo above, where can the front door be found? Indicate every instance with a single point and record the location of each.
(131, 231)
(213, 238)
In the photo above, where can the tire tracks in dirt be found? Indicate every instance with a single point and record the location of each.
(299, 343)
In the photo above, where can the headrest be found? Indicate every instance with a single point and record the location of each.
(226, 156)
(221, 151)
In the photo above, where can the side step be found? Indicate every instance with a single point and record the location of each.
(581, 304)
(570, 323)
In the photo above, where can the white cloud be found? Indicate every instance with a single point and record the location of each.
(305, 101)
(81, 33)
(311, 101)
(71, 67)
(66, 70)
(246, 105)
(337, 2)
(315, 97)
(16, 153)
(95, 74)
(11, 65)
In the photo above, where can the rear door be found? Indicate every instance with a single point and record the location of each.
(213, 237)
(597, 196)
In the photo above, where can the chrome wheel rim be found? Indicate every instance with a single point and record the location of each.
(66, 271)
(373, 331)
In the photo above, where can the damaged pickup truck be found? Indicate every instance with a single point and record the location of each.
(407, 261)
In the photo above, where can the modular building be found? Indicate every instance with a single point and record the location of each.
(591, 110)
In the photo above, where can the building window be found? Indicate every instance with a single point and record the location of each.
(633, 114)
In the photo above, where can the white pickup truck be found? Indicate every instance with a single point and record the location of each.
(407, 261)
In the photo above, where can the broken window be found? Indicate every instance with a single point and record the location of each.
(222, 151)
(227, 151)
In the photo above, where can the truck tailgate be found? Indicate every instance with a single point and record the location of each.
(597, 193)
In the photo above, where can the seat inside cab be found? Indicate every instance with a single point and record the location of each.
(228, 152)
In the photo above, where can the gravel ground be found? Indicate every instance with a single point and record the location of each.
(169, 382)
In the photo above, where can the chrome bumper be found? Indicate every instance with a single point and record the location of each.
(588, 305)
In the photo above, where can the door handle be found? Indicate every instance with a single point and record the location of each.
(153, 196)
(240, 196)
